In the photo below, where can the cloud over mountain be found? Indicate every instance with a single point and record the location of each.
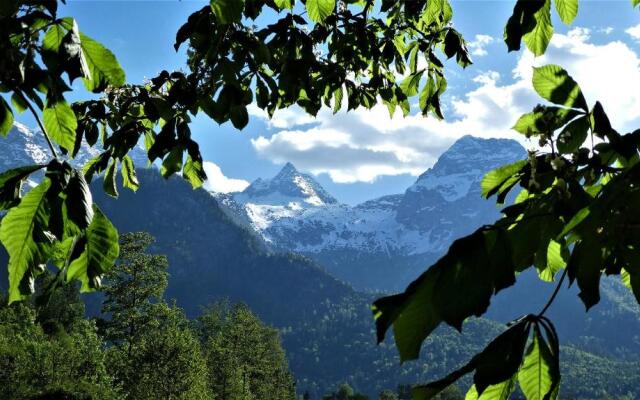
(364, 144)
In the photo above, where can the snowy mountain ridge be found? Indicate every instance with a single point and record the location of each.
(292, 212)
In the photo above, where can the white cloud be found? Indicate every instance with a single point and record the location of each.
(634, 32)
(218, 182)
(606, 30)
(364, 144)
(479, 44)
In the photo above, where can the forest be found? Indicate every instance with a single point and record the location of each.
(90, 310)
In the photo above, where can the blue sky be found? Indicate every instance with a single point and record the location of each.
(358, 156)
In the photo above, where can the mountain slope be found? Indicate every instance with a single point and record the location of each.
(384, 243)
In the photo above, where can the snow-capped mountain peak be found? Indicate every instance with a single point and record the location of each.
(288, 188)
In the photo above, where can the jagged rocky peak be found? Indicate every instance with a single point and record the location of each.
(289, 185)
(471, 152)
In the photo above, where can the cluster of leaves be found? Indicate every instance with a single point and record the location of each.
(318, 52)
(323, 54)
(57, 220)
(573, 216)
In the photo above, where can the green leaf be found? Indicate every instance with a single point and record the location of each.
(567, 10)
(635, 2)
(500, 391)
(573, 135)
(79, 202)
(72, 54)
(476, 265)
(239, 116)
(538, 38)
(554, 84)
(228, 11)
(19, 102)
(60, 122)
(18, 231)
(556, 261)
(284, 4)
(319, 10)
(11, 184)
(536, 376)
(194, 172)
(109, 184)
(410, 84)
(585, 266)
(172, 163)
(338, 95)
(103, 66)
(493, 180)
(129, 177)
(493, 366)
(6, 117)
(99, 246)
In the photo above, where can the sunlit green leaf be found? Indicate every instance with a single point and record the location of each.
(6, 117)
(501, 391)
(109, 184)
(129, 178)
(60, 122)
(538, 38)
(194, 172)
(554, 84)
(99, 250)
(319, 10)
(11, 184)
(19, 229)
(492, 181)
(567, 10)
(103, 66)
(536, 376)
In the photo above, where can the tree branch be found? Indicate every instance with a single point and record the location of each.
(35, 114)
(555, 293)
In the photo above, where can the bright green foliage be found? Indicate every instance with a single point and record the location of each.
(553, 83)
(134, 284)
(575, 217)
(500, 391)
(342, 53)
(319, 10)
(165, 363)
(55, 356)
(567, 10)
(245, 357)
(98, 249)
(20, 229)
(55, 221)
(536, 377)
(60, 123)
(155, 354)
(531, 23)
(538, 38)
(6, 117)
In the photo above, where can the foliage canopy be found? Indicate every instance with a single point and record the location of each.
(573, 217)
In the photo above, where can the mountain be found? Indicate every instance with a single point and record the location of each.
(326, 325)
(381, 244)
(24, 146)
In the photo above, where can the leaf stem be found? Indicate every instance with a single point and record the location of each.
(555, 293)
(35, 114)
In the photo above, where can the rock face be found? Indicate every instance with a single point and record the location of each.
(382, 243)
